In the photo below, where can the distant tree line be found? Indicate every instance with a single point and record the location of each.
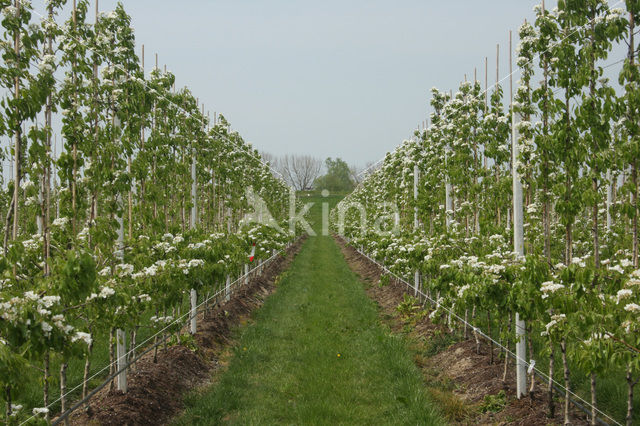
(303, 172)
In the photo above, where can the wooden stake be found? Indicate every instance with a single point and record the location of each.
(497, 64)
(74, 148)
(121, 344)
(17, 153)
(518, 238)
(486, 84)
(510, 69)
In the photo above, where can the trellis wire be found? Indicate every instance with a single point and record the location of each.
(538, 372)
(180, 108)
(131, 350)
(518, 70)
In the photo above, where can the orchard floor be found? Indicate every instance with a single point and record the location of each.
(316, 353)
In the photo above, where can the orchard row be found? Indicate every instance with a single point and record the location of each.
(575, 280)
(145, 202)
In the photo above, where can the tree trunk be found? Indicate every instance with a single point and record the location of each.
(532, 376)
(490, 339)
(7, 225)
(630, 385)
(634, 164)
(132, 351)
(596, 172)
(47, 169)
(45, 383)
(7, 390)
(74, 149)
(545, 168)
(634, 179)
(63, 390)
(475, 330)
(155, 342)
(466, 329)
(164, 336)
(130, 206)
(112, 356)
(506, 354)
(565, 367)
(568, 256)
(87, 370)
(17, 135)
(552, 407)
(594, 416)
(596, 240)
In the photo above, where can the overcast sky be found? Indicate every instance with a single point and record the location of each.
(328, 78)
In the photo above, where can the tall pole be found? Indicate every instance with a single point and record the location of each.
(47, 173)
(448, 187)
(486, 83)
(192, 222)
(518, 237)
(121, 336)
(609, 199)
(194, 187)
(16, 153)
(142, 130)
(121, 345)
(448, 199)
(416, 179)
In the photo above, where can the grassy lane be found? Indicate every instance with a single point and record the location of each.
(316, 354)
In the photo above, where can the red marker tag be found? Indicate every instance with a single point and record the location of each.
(253, 252)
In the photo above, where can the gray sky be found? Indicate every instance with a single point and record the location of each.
(328, 78)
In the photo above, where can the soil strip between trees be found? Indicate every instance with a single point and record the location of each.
(155, 390)
(464, 383)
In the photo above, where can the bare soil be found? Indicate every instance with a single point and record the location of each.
(459, 377)
(155, 390)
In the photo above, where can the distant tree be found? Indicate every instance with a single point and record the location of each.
(269, 158)
(300, 171)
(358, 174)
(338, 177)
(273, 162)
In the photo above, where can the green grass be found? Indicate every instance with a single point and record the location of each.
(316, 353)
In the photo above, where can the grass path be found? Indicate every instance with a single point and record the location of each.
(316, 353)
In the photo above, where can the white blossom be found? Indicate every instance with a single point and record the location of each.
(40, 411)
(61, 221)
(106, 292)
(30, 295)
(632, 307)
(550, 287)
(85, 337)
(462, 289)
(124, 269)
(555, 319)
(46, 328)
(623, 294)
(144, 298)
(193, 263)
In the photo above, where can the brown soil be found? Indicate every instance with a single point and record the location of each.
(457, 376)
(155, 389)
